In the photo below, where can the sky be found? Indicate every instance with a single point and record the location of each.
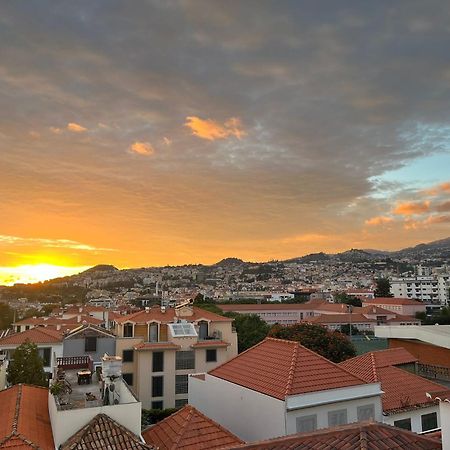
(171, 132)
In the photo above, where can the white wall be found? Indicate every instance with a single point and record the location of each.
(444, 409)
(248, 414)
(66, 423)
(415, 415)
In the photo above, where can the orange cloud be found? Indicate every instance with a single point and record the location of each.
(440, 188)
(437, 219)
(410, 208)
(75, 127)
(443, 207)
(211, 130)
(56, 130)
(142, 148)
(379, 220)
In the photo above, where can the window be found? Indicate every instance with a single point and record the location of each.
(158, 362)
(182, 329)
(153, 332)
(90, 344)
(128, 377)
(27, 327)
(181, 384)
(180, 402)
(128, 330)
(336, 418)
(403, 423)
(157, 386)
(366, 412)
(45, 354)
(185, 360)
(127, 355)
(429, 421)
(211, 355)
(306, 423)
(157, 405)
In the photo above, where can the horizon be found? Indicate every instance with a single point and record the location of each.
(153, 134)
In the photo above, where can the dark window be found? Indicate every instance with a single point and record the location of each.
(128, 330)
(338, 417)
(306, 424)
(180, 402)
(90, 344)
(153, 332)
(158, 362)
(185, 360)
(211, 355)
(45, 354)
(127, 355)
(27, 327)
(157, 386)
(157, 405)
(403, 423)
(429, 421)
(181, 384)
(203, 330)
(366, 412)
(128, 377)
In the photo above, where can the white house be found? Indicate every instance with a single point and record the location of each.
(278, 388)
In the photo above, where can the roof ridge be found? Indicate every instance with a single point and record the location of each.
(183, 427)
(292, 369)
(363, 438)
(374, 366)
(17, 410)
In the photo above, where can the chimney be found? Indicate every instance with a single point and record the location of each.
(147, 309)
(163, 309)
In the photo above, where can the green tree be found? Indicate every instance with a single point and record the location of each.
(330, 344)
(250, 329)
(346, 329)
(27, 366)
(347, 299)
(6, 316)
(383, 288)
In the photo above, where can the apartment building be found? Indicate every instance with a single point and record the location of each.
(433, 288)
(161, 346)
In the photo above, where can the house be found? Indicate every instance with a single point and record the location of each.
(402, 306)
(430, 344)
(89, 340)
(189, 429)
(354, 436)
(48, 341)
(161, 346)
(444, 411)
(404, 399)
(58, 323)
(279, 387)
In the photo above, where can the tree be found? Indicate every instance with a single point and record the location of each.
(383, 288)
(250, 329)
(330, 344)
(347, 299)
(27, 366)
(345, 329)
(6, 316)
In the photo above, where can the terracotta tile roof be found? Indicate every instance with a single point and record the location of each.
(356, 436)
(279, 368)
(374, 309)
(189, 429)
(402, 390)
(55, 321)
(341, 318)
(25, 422)
(102, 432)
(168, 316)
(402, 318)
(210, 343)
(38, 335)
(266, 306)
(157, 346)
(392, 301)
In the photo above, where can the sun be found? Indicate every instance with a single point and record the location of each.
(33, 273)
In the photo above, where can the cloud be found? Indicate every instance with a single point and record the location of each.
(411, 208)
(437, 219)
(378, 220)
(439, 189)
(49, 243)
(442, 207)
(75, 127)
(211, 130)
(56, 130)
(142, 148)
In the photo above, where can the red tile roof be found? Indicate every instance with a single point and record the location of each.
(266, 306)
(341, 318)
(356, 436)
(402, 390)
(189, 429)
(55, 321)
(156, 346)
(210, 343)
(25, 422)
(279, 368)
(392, 301)
(102, 432)
(168, 316)
(38, 335)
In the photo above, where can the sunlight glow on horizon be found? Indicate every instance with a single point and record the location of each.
(34, 273)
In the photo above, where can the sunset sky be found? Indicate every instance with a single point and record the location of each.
(141, 133)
